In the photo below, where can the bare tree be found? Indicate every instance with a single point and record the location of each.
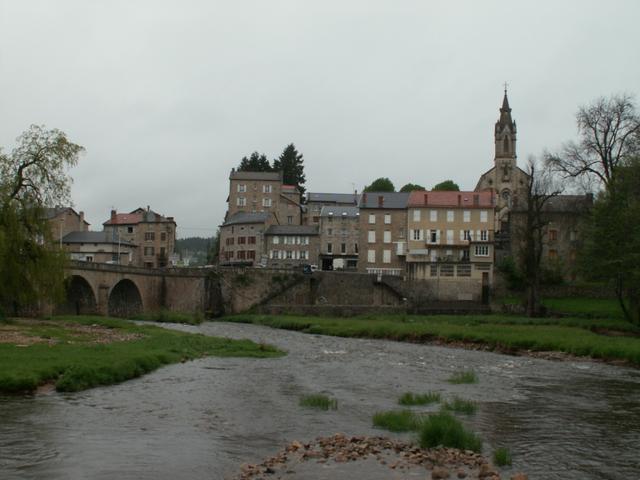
(609, 133)
(531, 229)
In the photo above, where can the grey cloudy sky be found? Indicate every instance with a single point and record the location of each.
(167, 96)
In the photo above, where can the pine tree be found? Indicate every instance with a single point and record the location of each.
(255, 163)
(291, 164)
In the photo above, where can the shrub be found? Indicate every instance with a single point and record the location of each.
(463, 376)
(443, 429)
(502, 457)
(397, 420)
(514, 278)
(319, 401)
(419, 399)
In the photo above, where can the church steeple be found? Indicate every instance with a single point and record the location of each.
(505, 132)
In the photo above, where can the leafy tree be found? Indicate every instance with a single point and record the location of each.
(611, 250)
(255, 163)
(609, 134)
(33, 176)
(382, 184)
(412, 187)
(447, 186)
(291, 164)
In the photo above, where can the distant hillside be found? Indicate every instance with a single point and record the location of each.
(193, 244)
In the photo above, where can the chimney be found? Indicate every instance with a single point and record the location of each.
(113, 215)
(459, 199)
(364, 199)
(148, 208)
(426, 199)
(380, 201)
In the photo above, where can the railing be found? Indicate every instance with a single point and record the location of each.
(396, 272)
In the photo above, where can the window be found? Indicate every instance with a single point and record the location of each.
(387, 236)
(330, 218)
(466, 234)
(89, 258)
(163, 237)
(148, 251)
(266, 202)
(289, 220)
(372, 236)
(433, 236)
(251, 240)
(465, 255)
(449, 237)
(329, 247)
(401, 233)
(484, 235)
(343, 248)
(386, 256)
(149, 236)
(230, 254)
(466, 216)
(433, 215)
(482, 250)
(387, 218)
(329, 231)
(355, 247)
(242, 188)
(251, 254)
(463, 270)
(372, 218)
(304, 255)
(434, 270)
(266, 189)
(289, 254)
(416, 215)
(371, 256)
(450, 215)
(129, 229)
(276, 240)
(273, 254)
(553, 235)
(484, 216)
(446, 270)
(417, 234)
(241, 202)
(553, 254)
(242, 240)
(163, 251)
(241, 255)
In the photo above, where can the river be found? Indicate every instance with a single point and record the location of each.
(203, 419)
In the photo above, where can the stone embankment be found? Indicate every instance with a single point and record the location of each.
(382, 457)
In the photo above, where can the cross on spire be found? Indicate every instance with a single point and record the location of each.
(505, 87)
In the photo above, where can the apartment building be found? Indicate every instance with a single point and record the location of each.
(99, 247)
(152, 233)
(339, 236)
(242, 237)
(383, 233)
(450, 241)
(315, 202)
(290, 246)
(64, 220)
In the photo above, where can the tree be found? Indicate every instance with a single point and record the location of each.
(213, 253)
(531, 227)
(382, 184)
(255, 163)
(611, 249)
(609, 134)
(291, 164)
(32, 177)
(412, 187)
(447, 186)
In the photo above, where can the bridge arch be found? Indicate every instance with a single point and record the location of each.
(124, 299)
(80, 298)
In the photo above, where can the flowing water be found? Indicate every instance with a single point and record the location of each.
(203, 419)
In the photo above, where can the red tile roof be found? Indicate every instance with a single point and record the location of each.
(485, 199)
(289, 187)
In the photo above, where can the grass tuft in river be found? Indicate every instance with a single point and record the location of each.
(460, 405)
(443, 429)
(318, 401)
(463, 376)
(410, 399)
(502, 457)
(398, 420)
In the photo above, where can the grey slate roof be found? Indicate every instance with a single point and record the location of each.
(292, 230)
(347, 198)
(94, 237)
(339, 211)
(390, 200)
(275, 176)
(247, 217)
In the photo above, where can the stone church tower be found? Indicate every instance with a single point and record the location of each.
(505, 179)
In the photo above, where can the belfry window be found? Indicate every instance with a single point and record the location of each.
(506, 144)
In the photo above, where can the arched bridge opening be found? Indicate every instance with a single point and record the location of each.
(125, 300)
(80, 298)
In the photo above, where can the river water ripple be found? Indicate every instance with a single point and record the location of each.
(203, 419)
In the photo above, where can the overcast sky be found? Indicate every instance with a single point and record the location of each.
(167, 97)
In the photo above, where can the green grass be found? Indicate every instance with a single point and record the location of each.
(167, 316)
(463, 376)
(398, 420)
(460, 405)
(75, 361)
(590, 307)
(502, 332)
(502, 457)
(443, 429)
(318, 401)
(409, 399)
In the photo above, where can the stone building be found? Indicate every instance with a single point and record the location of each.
(450, 242)
(315, 202)
(152, 233)
(242, 237)
(290, 246)
(383, 235)
(64, 220)
(339, 236)
(99, 247)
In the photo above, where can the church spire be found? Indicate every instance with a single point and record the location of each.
(505, 131)
(505, 111)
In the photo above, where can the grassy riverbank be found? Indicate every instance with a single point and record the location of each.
(609, 339)
(77, 353)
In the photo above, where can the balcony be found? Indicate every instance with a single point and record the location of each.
(401, 249)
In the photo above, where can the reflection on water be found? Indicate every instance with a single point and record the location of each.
(202, 419)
